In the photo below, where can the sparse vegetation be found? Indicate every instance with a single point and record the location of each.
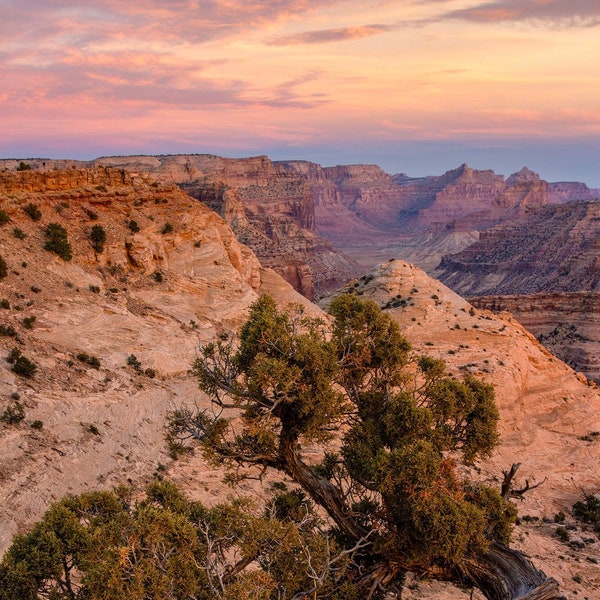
(28, 322)
(33, 212)
(57, 241)
(23, 166)
(98, 237)
(132, 361)
(588, 510)
(21, 365)
(92, 216)
(94, 289)
(167, 228)
(4, 218)
(13, 414)
(86, 358)
(19, 233)
(37, 424)
(3, 268)
(133, 226)
(157, 276)
(4, 303)
(7, 330)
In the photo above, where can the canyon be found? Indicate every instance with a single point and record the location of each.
(155, 292)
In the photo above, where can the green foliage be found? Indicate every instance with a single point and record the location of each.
(57, 241)
(3, 268)
(28, 322)
(23, 166)
(92, 361)
(132, 361)
(98, 237)
(21, 365)
(102, 546)
(13, 414)
(33, 212)
(7, 330)
(588, 510)
(406, 424)
(4, 218)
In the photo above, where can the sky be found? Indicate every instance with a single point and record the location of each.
(415, 86)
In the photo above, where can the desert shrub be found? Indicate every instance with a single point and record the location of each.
(98, 237)
(167, 228)
(23, 166)
(33, 212)
(3, 268)
(13, 414)
(150, 373)
(92, 361)
(4, 303)
(94, 288)
(19, 233)
(4, 218)
(93, 429)
(588, 510)
(35, 289)
(7, 330)
(92, 216)
(132, 361)
(28, 322)
(101, 188)
(157, 276)
(133, 226)
(21, 365)
(37, 424)
(57, 241)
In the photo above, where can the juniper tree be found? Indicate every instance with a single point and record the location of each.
(403, 428)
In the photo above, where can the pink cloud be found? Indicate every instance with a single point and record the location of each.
(331, 35)
(559, 12)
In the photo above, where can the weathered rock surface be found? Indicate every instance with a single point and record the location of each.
(106, 426)
(270, 210)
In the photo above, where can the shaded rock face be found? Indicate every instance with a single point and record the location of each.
(549, 249)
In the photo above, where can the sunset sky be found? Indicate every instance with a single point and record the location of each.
(416, 86)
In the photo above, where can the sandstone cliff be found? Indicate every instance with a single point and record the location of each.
(154, 293)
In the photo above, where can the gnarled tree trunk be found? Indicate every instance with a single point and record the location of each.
(506, 574)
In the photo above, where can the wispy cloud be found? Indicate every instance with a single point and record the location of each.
(557, 12)
(331, 35)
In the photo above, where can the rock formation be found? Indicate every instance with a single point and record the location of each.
(141, 305)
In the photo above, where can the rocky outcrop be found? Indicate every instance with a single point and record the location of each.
(270, 209)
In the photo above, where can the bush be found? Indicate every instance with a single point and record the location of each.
(157, 276)
(132, 361)
(588, 510)
(7, 330)
(23, 166)
(4, 303)
(4, 218)
(167, 228)
(21, 365)
(3, 268)
(28, 322)
(98, 237)
(133, 226)
(57, 241)
(94, 288)
(13, 414)
(19, 233)
(92, 361)
(91, 214)
(37, 424)
(33, 212)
